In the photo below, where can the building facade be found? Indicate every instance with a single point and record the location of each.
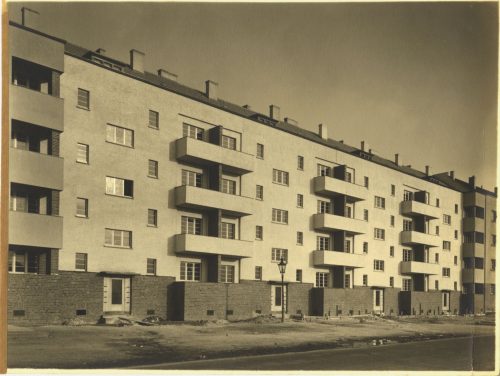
(132, 193)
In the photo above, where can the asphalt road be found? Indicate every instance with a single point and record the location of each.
(452, 354)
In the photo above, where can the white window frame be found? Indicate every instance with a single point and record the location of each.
(82, 153)
(227, 273)
(228, 186)
(278, 253)
(259, 232)
(191, 225)
(152, 214)
(379, 233)
(152, 168)
(192, 178)
(228, 142)
(300, 200)
(151, 266)
(259, 192)
(85, 202)
(190, 271)
(300, 163)
(119, 135)
(378, 265)
(118, 238)
(83, 99)
(260, 151)
(379, 202)
(321, 279)
(81, 261)
(280, 177)
(280, 216)
(116, 186)
(192, 131)
(323, 243)
(227, 230)
(300, 238)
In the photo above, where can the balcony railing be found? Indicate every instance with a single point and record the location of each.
(36, 230)
(473, 250)
(473, 275)
(412, 208)
(415, 237)
(417, 267)
(331, 222)
(331, 258)
(326, 185)
(40, 170)
(470, 224)
(200, 244)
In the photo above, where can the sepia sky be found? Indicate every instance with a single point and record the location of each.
(418, 79)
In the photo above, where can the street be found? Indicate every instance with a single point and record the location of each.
(452, 354)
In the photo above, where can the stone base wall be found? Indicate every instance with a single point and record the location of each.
(479, 303)
(425, 302)
(149, 295)
(299, 298)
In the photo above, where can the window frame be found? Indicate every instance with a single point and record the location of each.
(280, 216)
(87, 153)
(281, 177)
(83, 261)
(121, 238)
(154, 213)
(86, 105)
(156, 116)
(151, 263)
(85, 207)
(114, 139)
(278, 253)
(379, 202)
(153, 166)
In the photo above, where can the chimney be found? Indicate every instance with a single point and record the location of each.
(29, 17)
(363, 145)
(247, 106)
(452, 174)
(496, 191)
(137, 60)
(323, 131)
(101, 51)
(427, 170)
(274, 112)
(291, 121)
(165, 74)
(211, 89)
(472, 181)
(396, 159)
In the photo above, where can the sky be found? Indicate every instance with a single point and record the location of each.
(418, 79)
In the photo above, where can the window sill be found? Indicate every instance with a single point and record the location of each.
(82, 216)
(155, 128)
(80, 271)
(279, 223)
(282, 184)
(116, 246)
(153, 226)
(152, 177)
(84, 163)
(110, 194)
(83, 108)
(122, 145)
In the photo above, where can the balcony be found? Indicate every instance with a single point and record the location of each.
(473, 199)
(188, 243)
(36, 108)
(39, 170)
(473, 250)
(331, 222)
(200, 152)
(417, 267)
(328, 186)
(412, 208)
(472, 276)
(470, 224)
(331, 258)
(199, 198)
(35, 230)
(415, 237)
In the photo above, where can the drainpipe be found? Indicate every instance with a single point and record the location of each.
(484, 259)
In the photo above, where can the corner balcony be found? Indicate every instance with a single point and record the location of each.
(39, 170)
(37, 108)
(199, 198)
(473, 250)
(326, 185)
(412, 208)
(417, 267)
(331, 222)
(36, 230)
(188, 243)
(333, 258)
(472, 276)
(473, 224)
(200, 152)
(415, 237)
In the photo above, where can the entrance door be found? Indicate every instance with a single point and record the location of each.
(116, 294)
(378, 300)
(276, 298)
(446, 301)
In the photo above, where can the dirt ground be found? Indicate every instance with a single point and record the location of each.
(94, 346)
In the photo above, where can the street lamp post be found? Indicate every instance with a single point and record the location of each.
(282, 268)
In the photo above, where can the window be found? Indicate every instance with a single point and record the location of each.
(83, 98)
(379, 234)
(324, 170)
(455, 260)
(406, 284)
(259, 232)
(493, 264)
(18, 202)
(324, 206)
(191, 131)
(300, 238)
(300, 201)
(227, 230)
(474, 237)
(347, 245)
(82, 153)
(154, 119)
(437, 230)
(120, 136)
(22, 262)
(391, 251)
(391, 281)
(447, 219)
(493, 240)
(437, 202)
(280, 216)
(280, 177)
(228, 186)
(81, 261)
(322, 243)
(367, 181)
(365, 214)
(446, 272)
(407, 255)
(348, 176)
(278, 253)
(259, 192)
(456, 234)
(393, 190)
(455, 286)
(348, 211)
(82, 207)
(365, 279)
(152, 168)
(298, 275)
(446, 245)
(407, 225)
(152, 217)
(226, 273)
(321, 279)
(300, 163)
(365, 247)
(258, 273)
(260, 151)
(190, 271)
(379, 202)
(119, 187)
(407, 196)
(436, 285)
(118, 238)
(492, 289)
(436, 258)
(392, 220)
(456, 208)
(494, 215)
(191, 225)
(347, 281)
(228, 142)
(191, 178)
(378, 265)
(151, 266)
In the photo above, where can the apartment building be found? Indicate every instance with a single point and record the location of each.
(134, 194)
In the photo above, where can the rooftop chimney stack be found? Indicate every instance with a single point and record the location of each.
(166, 74)
(396, 159)
(29, 17)
(472, 181)
(211, 89)
(323, 131)
(427, 170)
(101, 51)
(247, 106)
(362, 145)
(291, 121)
(452, 174)
(274, 112)
(496, 191)
(137, 60)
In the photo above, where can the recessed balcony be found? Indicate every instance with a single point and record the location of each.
(470, 224)
(415, 237)
(328, 186)
(36, 169)
(37, 108)
(473, 250)
(472, 276)
(413, 208)
(199, 244)
(332, 258)
(331, 222)
(200, 152)
(417, 267)
(198, 198)
(36, 230)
